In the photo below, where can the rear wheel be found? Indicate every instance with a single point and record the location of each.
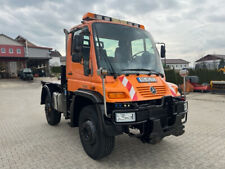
(53, 117)
(95, 143)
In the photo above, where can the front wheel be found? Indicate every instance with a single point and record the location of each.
(95, 143)
(53, 117)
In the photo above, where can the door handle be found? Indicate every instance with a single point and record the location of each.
(70, 73)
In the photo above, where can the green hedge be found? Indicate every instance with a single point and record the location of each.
(205, 76)
(56, 69)
(173, 76)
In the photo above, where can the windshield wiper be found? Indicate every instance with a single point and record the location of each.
(147, 70)
(106, 59)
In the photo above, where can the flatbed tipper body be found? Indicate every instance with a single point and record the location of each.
(114, 83)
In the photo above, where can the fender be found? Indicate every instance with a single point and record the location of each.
(48, 88)
(95, 97)
(88, 97)
(97, 100)
(45, 91)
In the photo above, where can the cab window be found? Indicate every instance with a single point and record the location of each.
(137, 46)
(110, 46)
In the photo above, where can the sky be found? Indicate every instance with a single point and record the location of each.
(190, 28)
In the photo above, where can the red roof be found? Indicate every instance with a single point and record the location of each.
(29, 44)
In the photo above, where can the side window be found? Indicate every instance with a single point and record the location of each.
(81, 48)
(86, 42)
(85, 46)
(72, 44)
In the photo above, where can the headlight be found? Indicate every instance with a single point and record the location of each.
(125, 117)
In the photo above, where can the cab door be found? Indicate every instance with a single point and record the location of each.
(78, 60)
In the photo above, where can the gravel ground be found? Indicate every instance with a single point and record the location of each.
(27, 141)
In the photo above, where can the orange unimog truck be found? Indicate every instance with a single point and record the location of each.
(114, 83)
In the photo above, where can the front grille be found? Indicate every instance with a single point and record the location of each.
(145, 91)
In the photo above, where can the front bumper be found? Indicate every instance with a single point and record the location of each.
(162, 117)
(167, 107)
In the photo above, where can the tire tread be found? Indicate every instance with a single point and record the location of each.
(107, 142)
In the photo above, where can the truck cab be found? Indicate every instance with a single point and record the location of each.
(114, 83)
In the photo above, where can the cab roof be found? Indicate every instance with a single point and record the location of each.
(91, 18)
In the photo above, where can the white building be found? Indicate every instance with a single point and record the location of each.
(209, 61)
(176, 63)
(55, 59)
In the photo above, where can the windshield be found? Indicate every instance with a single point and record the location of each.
(123, 49)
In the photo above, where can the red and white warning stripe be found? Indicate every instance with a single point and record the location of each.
(130, 88)
(172, 89)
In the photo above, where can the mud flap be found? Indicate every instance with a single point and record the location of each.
(178, 127)
(157, 132)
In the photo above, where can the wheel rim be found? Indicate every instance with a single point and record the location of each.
(88, 132)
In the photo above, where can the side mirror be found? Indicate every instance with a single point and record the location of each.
(77, 48)
(78, 43)
(163, 51)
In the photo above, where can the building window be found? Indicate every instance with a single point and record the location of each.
(18, 51)
(10, 50)
(2, 50)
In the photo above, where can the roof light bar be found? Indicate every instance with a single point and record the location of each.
(91, 16)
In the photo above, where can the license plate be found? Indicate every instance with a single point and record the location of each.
(146, 80)
(125, 117)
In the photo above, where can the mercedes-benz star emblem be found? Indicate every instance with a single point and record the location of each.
(153, 90)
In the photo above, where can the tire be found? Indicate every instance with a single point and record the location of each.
(153, 141)
(95, 143)
(53, 117)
